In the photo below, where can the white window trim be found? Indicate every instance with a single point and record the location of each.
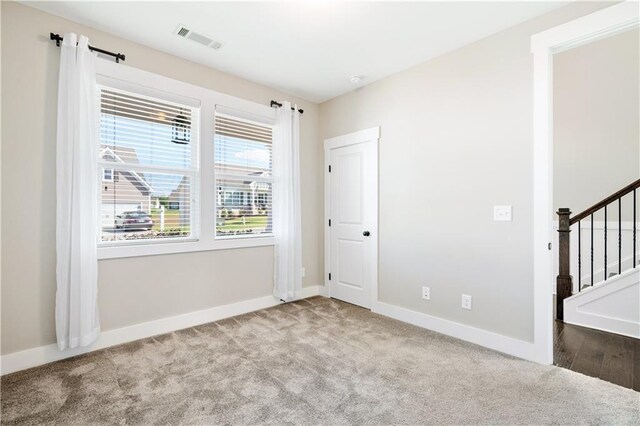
(138, 81)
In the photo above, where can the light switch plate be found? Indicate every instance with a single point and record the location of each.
(502, 213)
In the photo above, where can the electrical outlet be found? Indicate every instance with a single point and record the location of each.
(303, 272)
(466, 301)
(426, 293)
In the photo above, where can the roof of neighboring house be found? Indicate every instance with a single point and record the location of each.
(119, 154)
(178, 191)
(230, 169)
(259, 185)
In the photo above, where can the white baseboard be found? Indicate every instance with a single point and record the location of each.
(324, 290)
(45, 354)
(498, 342)
(314, 290)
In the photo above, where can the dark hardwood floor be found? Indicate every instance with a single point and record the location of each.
(596, 353)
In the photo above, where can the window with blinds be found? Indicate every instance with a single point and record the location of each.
(148, 168)
(243, 179)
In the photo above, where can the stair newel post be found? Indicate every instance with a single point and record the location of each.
(564, 282)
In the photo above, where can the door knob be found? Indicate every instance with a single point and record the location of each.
(366, 233)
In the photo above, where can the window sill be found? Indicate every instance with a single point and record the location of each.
(185, 246)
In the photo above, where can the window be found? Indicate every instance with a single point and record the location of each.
(160, 187)
(242, 160)
(107, 175)
(148, 151)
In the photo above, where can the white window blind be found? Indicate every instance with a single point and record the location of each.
(243, 179)
(148, 150)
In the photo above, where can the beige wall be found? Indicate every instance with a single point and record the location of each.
(456, 139)
(596, 120)
(131, 290)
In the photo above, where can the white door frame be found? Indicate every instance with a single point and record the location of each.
(604, 23)
(371, 135)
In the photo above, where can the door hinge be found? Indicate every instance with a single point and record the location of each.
(329, 276)
(329, 168)
(329, 222)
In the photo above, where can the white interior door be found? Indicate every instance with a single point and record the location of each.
(353, 229)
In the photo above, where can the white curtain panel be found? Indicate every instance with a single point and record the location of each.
(77, 321)
(286, 204)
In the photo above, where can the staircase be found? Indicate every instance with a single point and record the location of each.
(604, 267)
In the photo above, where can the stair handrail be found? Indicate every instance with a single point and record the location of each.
(611, 198)
(564, 280)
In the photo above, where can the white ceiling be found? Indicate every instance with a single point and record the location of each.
(307, 49)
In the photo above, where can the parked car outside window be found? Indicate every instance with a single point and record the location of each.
(134, 220)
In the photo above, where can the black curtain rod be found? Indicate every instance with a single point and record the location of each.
(119, 56)
(278, 105)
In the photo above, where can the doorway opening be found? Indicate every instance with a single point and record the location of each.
(596, 153)
(605, 23)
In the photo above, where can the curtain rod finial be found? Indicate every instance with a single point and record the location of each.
(55, 37)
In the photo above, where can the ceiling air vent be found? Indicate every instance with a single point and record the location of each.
(185, 32)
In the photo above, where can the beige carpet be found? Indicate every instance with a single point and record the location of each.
(316, 361)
